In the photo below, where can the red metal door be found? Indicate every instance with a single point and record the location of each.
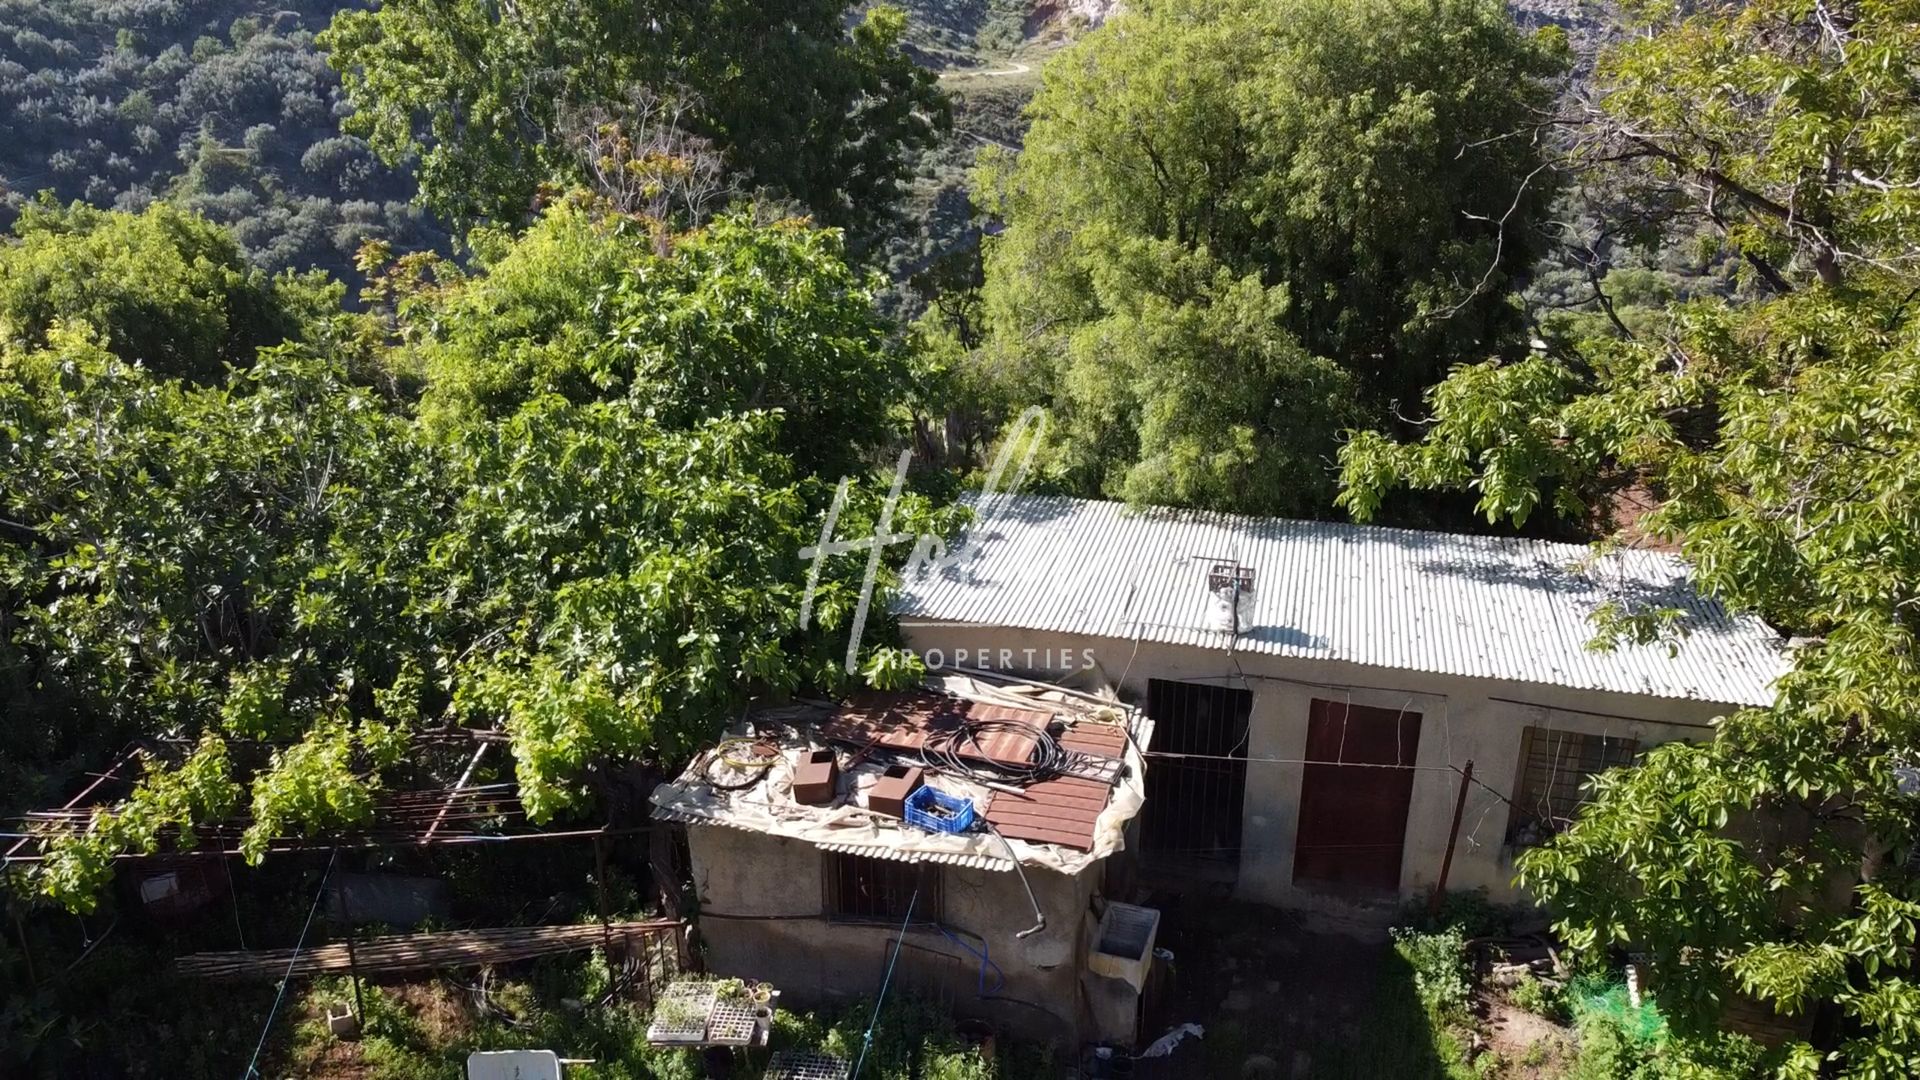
(1353, 815)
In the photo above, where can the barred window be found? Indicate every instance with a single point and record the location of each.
(858, 887)
(1554, 767)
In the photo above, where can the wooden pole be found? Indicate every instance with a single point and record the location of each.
(1453, 835)
(600, 885)
(134, 754)
(353, 956)
(600, 875)
(353, 969)
(455, 793)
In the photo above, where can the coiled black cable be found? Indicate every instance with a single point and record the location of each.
(962, 751)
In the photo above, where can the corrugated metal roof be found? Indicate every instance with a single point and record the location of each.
(871, 851)
(944, 858)
(1476, 606)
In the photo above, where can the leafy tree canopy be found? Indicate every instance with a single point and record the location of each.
(485, 94)
(1791, 132)
(730, 318)
(162, 288)
(1781, 440)
(282, 558)
(1334, 179)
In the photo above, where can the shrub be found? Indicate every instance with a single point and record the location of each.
(1539, 998)
(1439, 962)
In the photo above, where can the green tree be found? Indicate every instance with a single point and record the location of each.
(1351, 162)
(1782, 442)
(286, 557)
(101, 96)
(1189, 392)
(162, 288)
(731, 318)
(634, 580)
(1789, 131)
(483, 94)
(163, 536)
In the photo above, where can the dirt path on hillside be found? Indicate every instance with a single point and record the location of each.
(976, 73)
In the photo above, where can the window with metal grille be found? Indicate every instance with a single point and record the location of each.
(858, 887)
(1550, 786)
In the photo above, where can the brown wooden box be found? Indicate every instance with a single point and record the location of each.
(889, 794)
(817, 778)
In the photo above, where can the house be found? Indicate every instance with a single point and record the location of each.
(1318, 689)
(808, 877)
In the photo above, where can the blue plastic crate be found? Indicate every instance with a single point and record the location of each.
(934, 810)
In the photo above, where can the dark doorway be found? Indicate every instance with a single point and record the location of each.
(1353, 816)
(1191, 819)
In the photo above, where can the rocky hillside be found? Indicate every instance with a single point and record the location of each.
(223, 106)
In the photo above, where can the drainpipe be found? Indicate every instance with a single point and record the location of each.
(1039, 917)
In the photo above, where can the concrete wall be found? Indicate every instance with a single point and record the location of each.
(761, 916)
(1462, 719)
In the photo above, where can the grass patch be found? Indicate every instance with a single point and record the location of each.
(912, 1040)
(424, 1030)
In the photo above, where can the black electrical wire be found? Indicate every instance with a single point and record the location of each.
(961, 751)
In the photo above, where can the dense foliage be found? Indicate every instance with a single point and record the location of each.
(1781, 440)
(914, 1039)
(600, 565)
(223, 107)
(164, 288)
(735, 317)
(492, 97)
(1238, 228)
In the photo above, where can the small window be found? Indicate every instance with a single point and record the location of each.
(861, 888)
(1554, 767)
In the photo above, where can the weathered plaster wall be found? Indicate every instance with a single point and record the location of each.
(761, 907)
(1462, 719)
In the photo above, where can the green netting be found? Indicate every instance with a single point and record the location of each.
(1605, 1000)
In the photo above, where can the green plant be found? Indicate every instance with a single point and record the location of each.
(1538, 997)
(200, 790)
(1204, 312)
(913, 1040)
(822, 112)
(602, 560)
(1439, 962)
(679, 1014)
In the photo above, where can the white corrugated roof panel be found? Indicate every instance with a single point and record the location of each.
(1476, 606)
